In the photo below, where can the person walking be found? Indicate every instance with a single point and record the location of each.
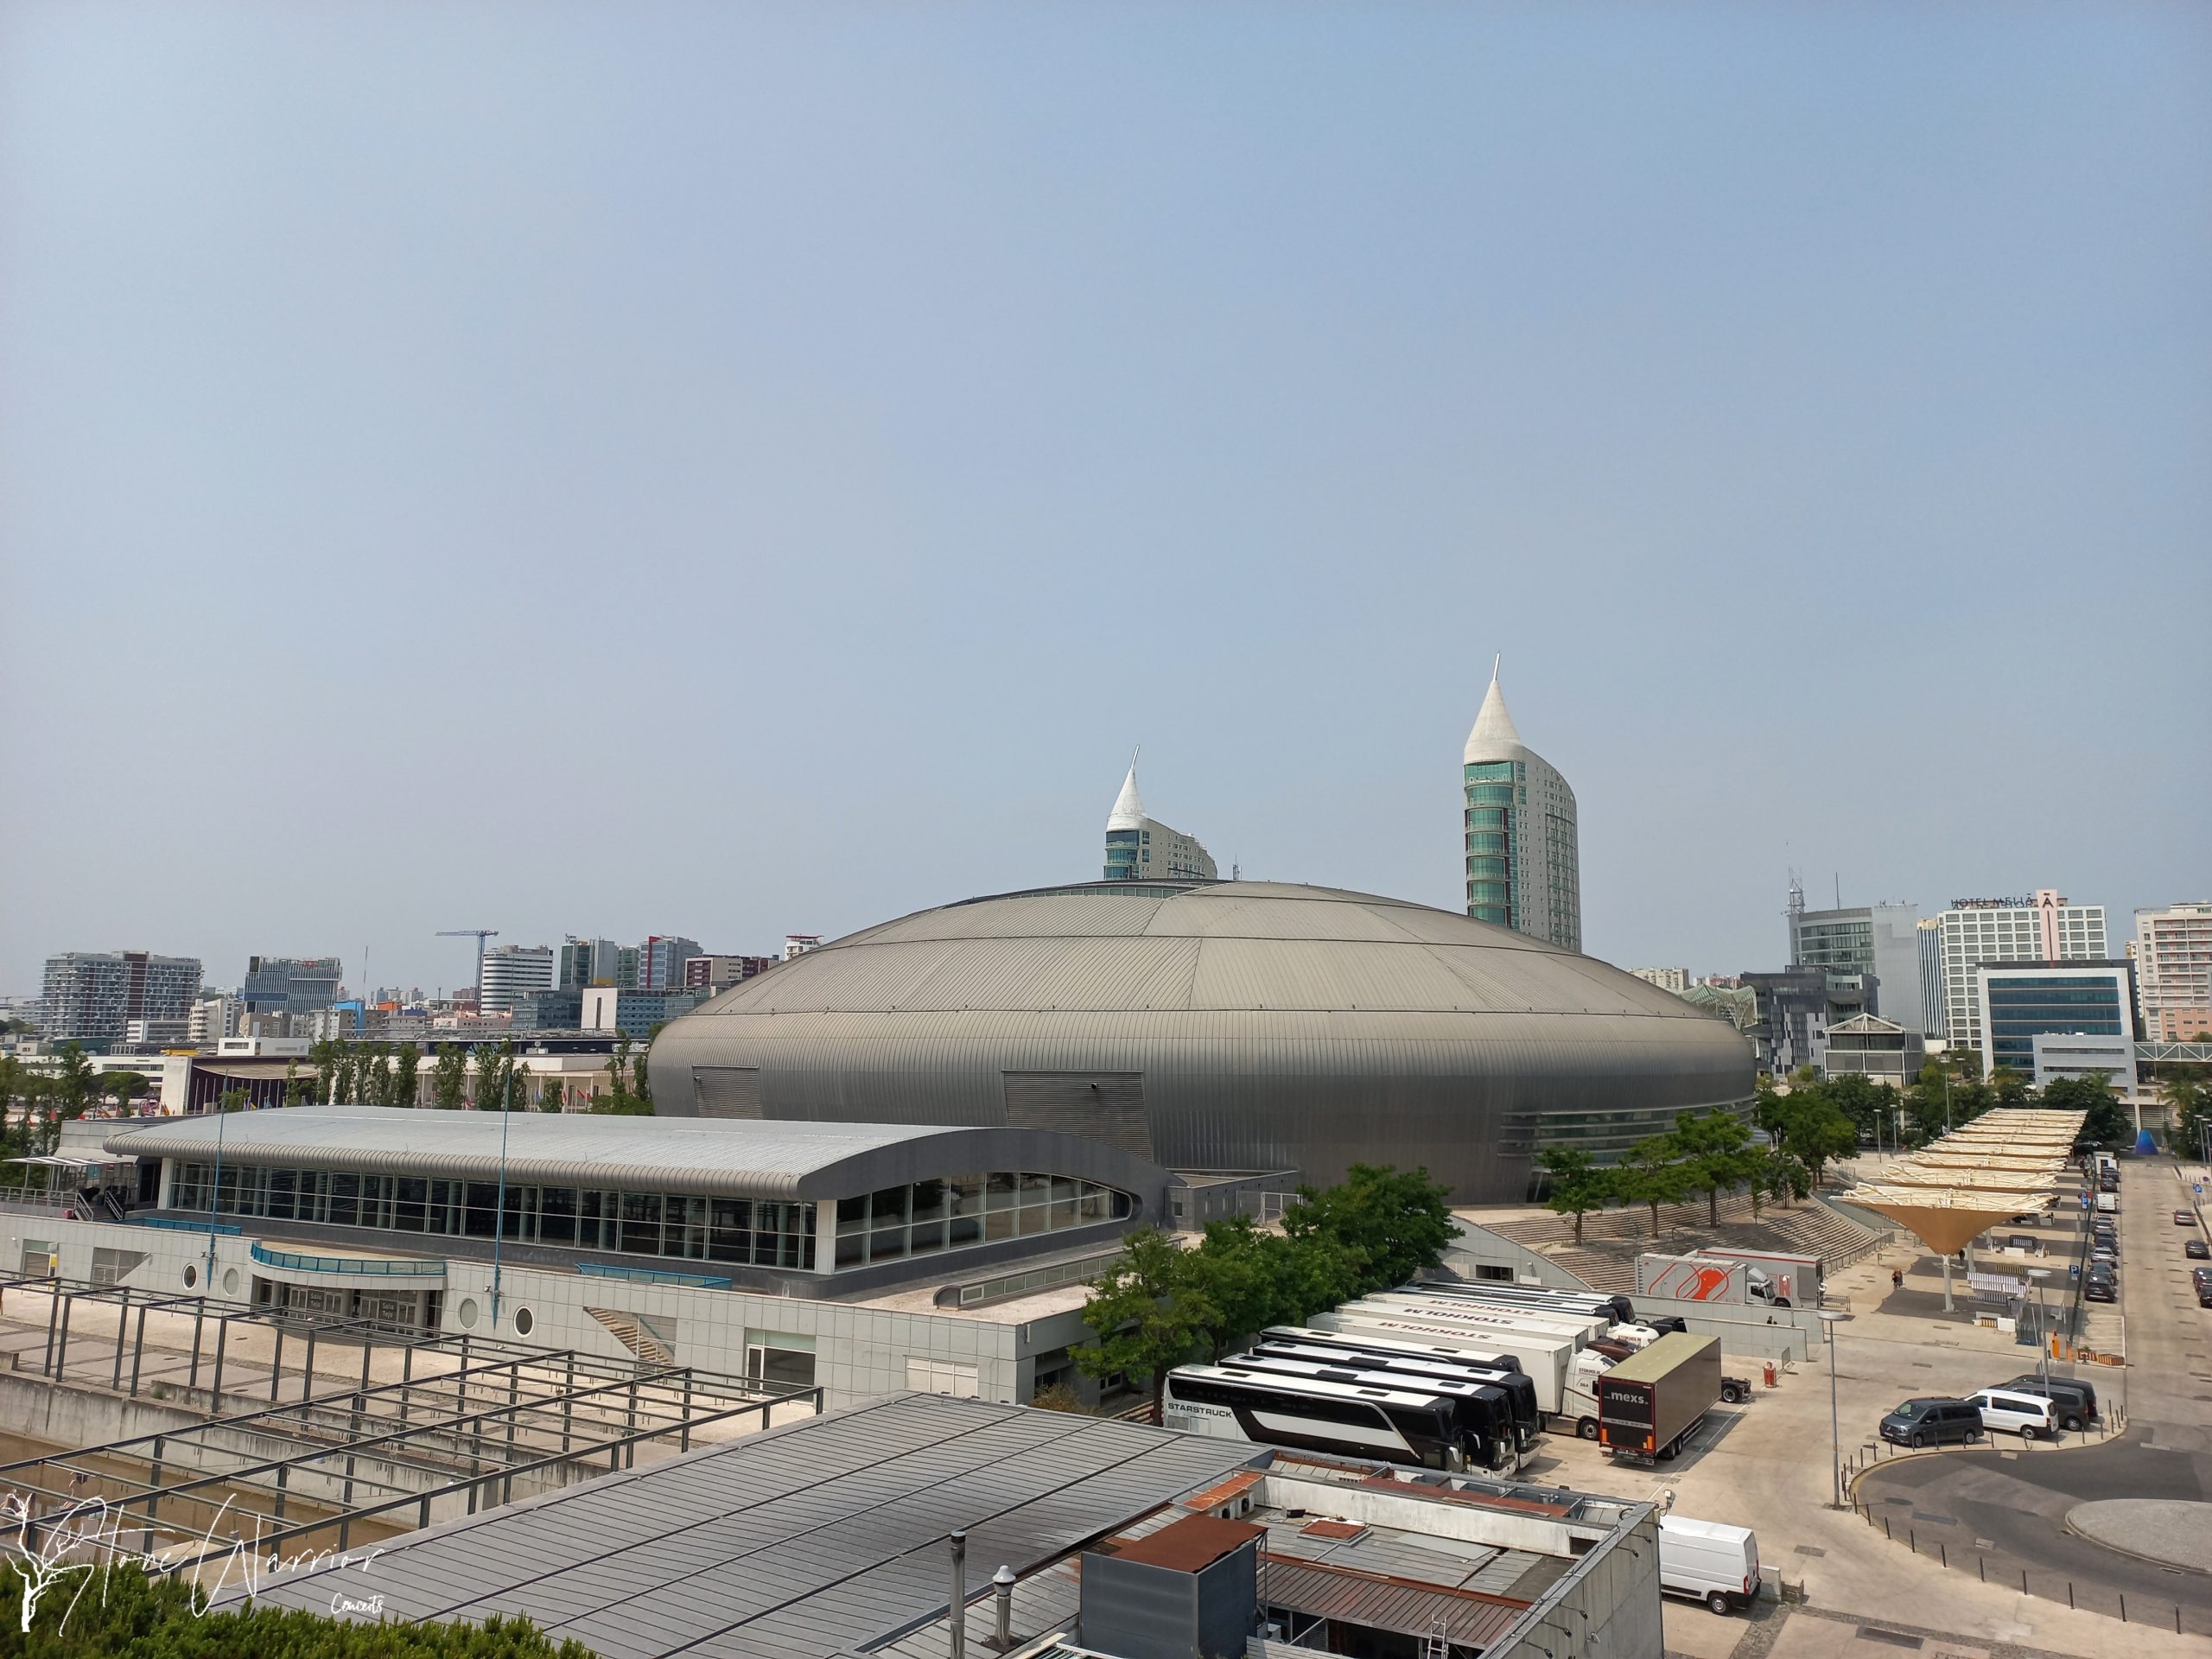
(1896, 1278)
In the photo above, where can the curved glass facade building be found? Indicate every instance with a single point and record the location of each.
(1525, 867)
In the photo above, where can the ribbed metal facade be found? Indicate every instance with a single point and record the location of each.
(1271, 1026)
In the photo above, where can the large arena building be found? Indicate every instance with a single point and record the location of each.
(1232, 1025)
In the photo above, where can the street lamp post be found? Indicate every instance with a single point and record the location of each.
(2036, 1276)
(214, 1199)
(1828, 1317)
(500, 1210)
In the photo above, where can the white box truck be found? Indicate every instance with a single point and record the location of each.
(1708, 1561)
(1565, 1373)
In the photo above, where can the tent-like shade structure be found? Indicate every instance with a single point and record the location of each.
(2008, 1162)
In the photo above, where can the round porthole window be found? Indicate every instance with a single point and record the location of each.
(191, 1277)
(468, 1313)
(526, 1321)
(229, 1282)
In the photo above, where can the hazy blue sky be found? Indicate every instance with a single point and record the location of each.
(613, 468)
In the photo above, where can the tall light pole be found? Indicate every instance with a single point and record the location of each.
(1828, 1317)
(500, 1210)
(214, 1196)
(2036, 1276)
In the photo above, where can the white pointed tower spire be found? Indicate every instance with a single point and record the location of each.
(1493, 737)
(1522, 861)
(1129, 806)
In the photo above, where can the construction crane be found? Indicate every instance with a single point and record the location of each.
(479, 934)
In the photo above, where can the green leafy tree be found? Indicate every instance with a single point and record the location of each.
(1819, 1134)
(1716, 1154)
(233, 1099)
(1144, 1313)
(551, 1092)
(74, 1085)
(2007, 1087)
(622, 1070)
(323, 1055)
(1782, 1175)
(2107, 1124)
(406, 1076)
(449, 1078)
(1578, 1185)
(1393, 1222)
(495, 1076)
(1242, 1278)
(125, 1086)
(1652, 1175)
(298, 1089)
(2189, 1100)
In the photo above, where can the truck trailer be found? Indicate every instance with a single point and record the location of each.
(1562, 1371)
(1648, 1405)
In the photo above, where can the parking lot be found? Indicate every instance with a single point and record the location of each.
(1767, 1465)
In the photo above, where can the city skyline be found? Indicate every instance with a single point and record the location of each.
(625, 501)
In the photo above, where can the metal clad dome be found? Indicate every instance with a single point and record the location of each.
(1223, 1025)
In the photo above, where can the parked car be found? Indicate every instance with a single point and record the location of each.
(2103, 1290)
(2029, 1417)
(2204, 1295)
(2184, 1218)
(2198, 1250)
(2076, 1401)
(1933, 1421)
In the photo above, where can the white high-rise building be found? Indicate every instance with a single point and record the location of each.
(1139, 848)
(510, 973)
(2045, 928)
(1524, 863)
(2173, 970)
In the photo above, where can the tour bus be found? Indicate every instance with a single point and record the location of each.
(1307, 1415)
(1564, 1372)
(1488, 1437)
(1618, 1309)
(1418, 1365)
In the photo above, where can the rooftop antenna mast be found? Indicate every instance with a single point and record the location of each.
(479, 934)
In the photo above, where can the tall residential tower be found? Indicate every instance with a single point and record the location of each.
(1138, 847)
(1524, 870)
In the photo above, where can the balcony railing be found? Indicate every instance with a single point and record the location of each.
(364, 1267)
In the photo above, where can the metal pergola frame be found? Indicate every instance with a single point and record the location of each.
(492, 1412)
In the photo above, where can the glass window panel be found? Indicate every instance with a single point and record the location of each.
(889, 1205)
(1065, 1186)
(482, 1197)
(1063, 1213)
(1120, 1206)
(999, 1223)
(1033, 1217)
(964, 1194)
(852, 1251)
(283, 1189)
(927, 1236)
(1002, 1190)
(556, 1215)
(930, 1201)
(695, 1226)
(344, 1199)
(852, 1215)
(887, 1245)
(640, 1223)
(964, 1230)
(1036, 1189)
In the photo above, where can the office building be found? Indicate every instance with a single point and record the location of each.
(2059, 1055)
(797, 945)
(635, 1012)
(559, 1009)
(1141, 848)
(587, 961)
(1246, 1026)
(2173, 970)
(660, 962)
(92, 997)
(719, 973)
(2015, 1001)
(1797, 1009)
(1868, 1045)
(289, 985)
(513, 972)
(1524, 864)
(1882, 940)
(1676, 980)
(1935, 1015)
(2045, 927)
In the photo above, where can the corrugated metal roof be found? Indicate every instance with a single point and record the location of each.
(677, 1154)
(1322, 1590)
(824, 1535)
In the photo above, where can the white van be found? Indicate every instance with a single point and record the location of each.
(2108, 1203)
(1708, 1561)
(2022, 1413)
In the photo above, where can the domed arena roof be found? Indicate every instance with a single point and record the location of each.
(1219, 1026)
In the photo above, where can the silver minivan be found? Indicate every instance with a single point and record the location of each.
(2024, 1414)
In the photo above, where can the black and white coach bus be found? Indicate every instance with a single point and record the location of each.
(1520, 1390)
(1488, 1436)
(1305, 1414)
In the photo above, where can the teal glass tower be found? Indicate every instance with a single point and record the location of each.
(1524, 868)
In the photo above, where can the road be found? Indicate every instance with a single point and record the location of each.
(2000, 1512)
